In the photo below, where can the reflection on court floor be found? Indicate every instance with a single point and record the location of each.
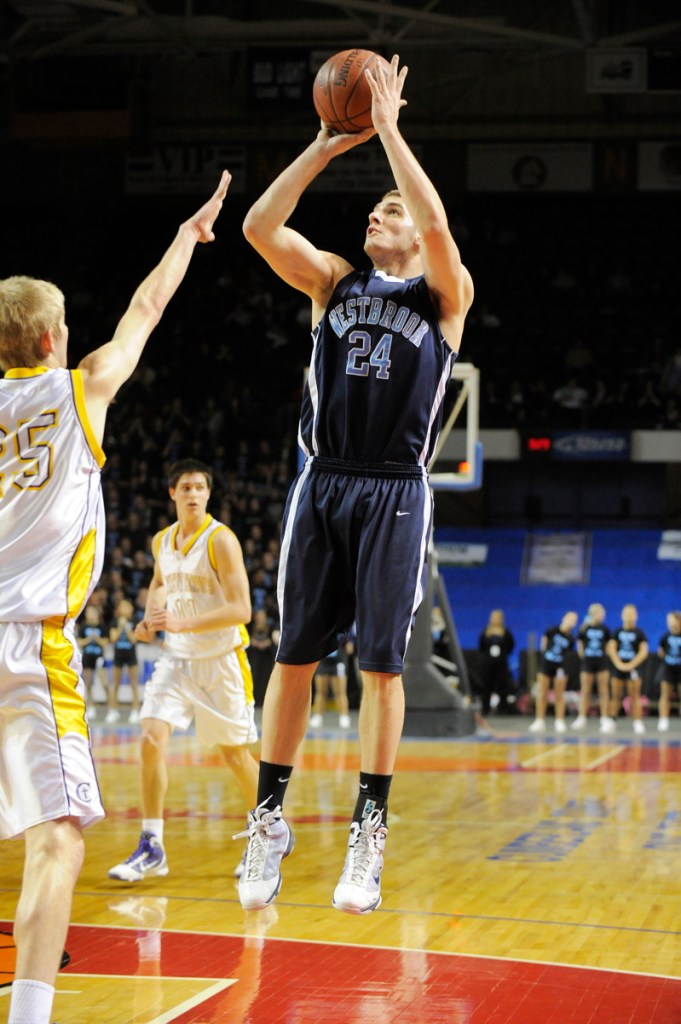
(187, 977)
(527, 880)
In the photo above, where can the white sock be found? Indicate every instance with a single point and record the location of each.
(31, 1002)
(154, 825)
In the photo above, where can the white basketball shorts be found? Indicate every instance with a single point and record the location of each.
(46, 766)
(216, 692)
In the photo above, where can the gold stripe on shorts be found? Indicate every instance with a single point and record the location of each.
(246, 673)
(56, 653)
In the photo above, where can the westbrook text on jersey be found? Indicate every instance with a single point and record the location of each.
(373, 310)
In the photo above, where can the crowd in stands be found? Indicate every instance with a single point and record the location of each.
(576, 319)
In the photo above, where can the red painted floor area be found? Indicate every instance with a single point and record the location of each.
(288, 982)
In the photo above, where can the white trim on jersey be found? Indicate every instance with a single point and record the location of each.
(436, 407)
(313, 389)
(389, 277)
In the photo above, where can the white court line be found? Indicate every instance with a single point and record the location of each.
(170, 1015)
(546, 753)
(196, 1000)
(605, 757)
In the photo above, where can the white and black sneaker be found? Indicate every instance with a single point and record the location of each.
(269, 840)
(359, 888)
(148, 860)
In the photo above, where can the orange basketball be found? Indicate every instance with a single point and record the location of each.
(341, 93)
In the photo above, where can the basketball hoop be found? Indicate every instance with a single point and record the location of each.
(468, 476)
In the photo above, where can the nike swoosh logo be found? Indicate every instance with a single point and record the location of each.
(404, 513)
(283, 780)
(364, 785)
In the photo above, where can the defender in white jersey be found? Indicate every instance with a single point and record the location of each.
(199, 597)
(358, 516)
(51, 538)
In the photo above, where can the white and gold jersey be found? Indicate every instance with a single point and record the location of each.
(192, 587)
(51, 507)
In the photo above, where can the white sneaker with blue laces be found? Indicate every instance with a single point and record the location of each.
(359, 888)
(269, 840)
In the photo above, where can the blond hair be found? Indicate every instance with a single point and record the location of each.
(496, 622)
(28, 308)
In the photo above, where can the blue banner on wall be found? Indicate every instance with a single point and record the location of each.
(591, 445)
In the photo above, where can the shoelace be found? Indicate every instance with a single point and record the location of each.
(364, 847)
(144, 847)
(258, 832)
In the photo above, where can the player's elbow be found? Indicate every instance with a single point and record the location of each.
(254, 227)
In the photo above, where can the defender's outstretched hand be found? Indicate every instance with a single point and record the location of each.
(204, 218)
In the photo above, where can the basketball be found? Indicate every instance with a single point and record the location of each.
(341, 93)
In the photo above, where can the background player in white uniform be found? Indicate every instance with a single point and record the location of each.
(51, 548)
(392, 426)
(199, 597)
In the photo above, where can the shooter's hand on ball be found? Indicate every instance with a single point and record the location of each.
(386, 93)
(336, 142)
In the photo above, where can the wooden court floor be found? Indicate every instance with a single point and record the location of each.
(526, 880)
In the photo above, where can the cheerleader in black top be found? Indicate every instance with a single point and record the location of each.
(669, 649)
(591, 643)
(627, 650)
(555, 643)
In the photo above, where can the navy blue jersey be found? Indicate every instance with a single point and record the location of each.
(557, 645)
(379, 370)
(594, 638)
(670, 645)
(628, 642)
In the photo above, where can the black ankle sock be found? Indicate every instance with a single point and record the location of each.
(373, 796)
(272, 782)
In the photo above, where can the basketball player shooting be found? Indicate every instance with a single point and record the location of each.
(358, 516)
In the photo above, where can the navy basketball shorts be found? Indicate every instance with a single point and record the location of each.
(354, 547)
